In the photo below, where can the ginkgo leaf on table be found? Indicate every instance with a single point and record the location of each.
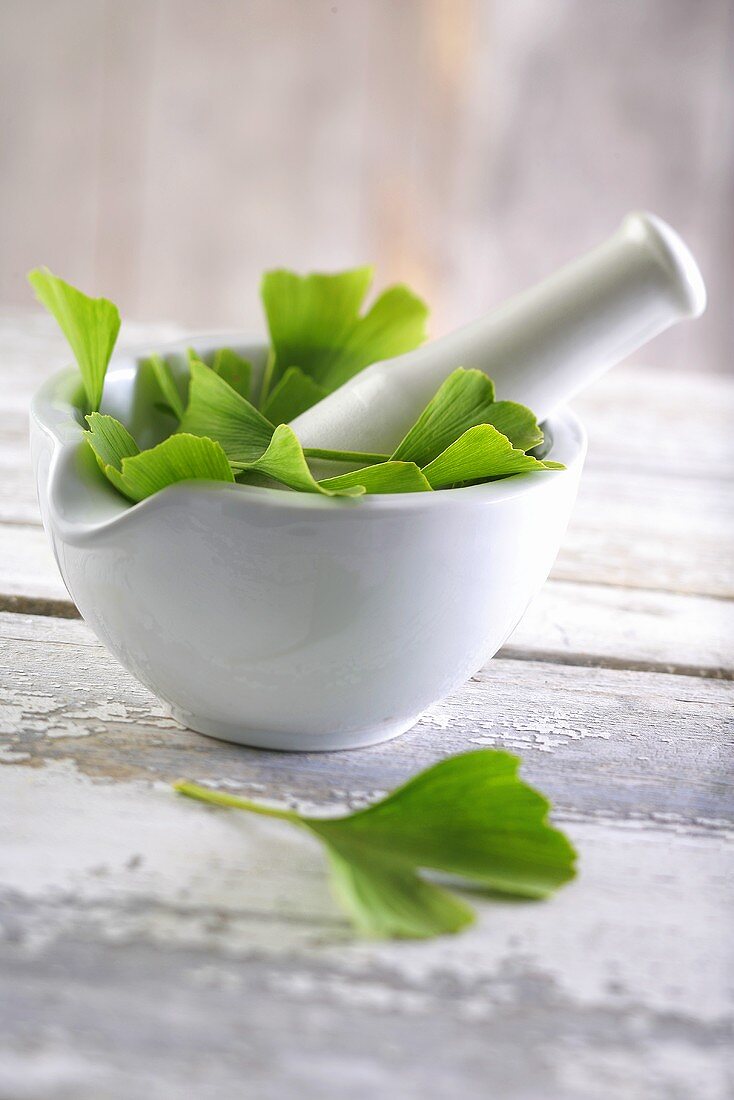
(315, 325)
(138, 474)
(90, 325)
(470, 817)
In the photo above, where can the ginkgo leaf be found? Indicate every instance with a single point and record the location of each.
(395, 324)
(216, 411)
(386, 899)
(464, 435)
(315, 325)
(470, 817)
(90, 325)
(167, 385)
(235, 370)
(479, 454)
(464, 399)
(138, 474)
(110, 440)
(516, 422)
(294, 393)
(284, 461)
(384, 477)
(181, 457)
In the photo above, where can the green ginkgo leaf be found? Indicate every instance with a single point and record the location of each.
(319, 341)
(470, 817)
(517, 423)
(479, 454)
(464, 435)
(90, 325)
(167, 385)
(315, 325)
(384, 477)
(178, 458)
(216, 411)
(294, 393)
(110, 440)
(461, 401)
(283, 460)
(138, 474)
(235, 370)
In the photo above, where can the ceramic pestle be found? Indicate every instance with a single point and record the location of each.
(540, 348)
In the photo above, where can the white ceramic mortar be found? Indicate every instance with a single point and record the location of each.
(287, 620)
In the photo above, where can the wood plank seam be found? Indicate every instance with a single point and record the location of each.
(63, 609)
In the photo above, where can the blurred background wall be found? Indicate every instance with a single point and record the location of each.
(165, 152)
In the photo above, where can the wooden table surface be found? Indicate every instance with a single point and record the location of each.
(151, 947)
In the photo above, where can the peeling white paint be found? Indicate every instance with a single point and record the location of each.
(439, 716)
(9, 755)
(135, 862)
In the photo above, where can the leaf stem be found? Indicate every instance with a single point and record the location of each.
(345, 456)
(221, 798)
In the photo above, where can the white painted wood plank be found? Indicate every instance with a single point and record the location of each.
(619, 744)
(651, 531)
(628, 627)
(660, 422)
(570, 622)
(656, 529)
(214, 932)
(29, 577)
(647, 531)
(194, 862)
(193, 949)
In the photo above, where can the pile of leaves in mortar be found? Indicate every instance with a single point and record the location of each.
(469, 817)
(319, 340)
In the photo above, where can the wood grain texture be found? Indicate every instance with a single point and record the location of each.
(67, 699)
(151, 946)
(135, 973)
(214, 933)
